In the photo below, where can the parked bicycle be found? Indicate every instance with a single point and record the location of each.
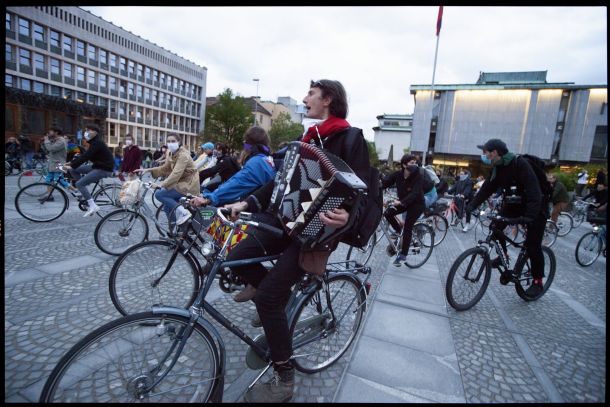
(171, 354)
(593, 243)
(11, 165)
(470, 273)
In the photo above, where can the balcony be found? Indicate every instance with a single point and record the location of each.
(42, 73)
(123, 72)
(103, 90)
(132, 97)
(68, 54)
(11, 65)
(55, 50)
(114, 69)
(25, 69)
(56, 77)
(123, 117)
(93, 87)
(69, 81)
(81, 84)
(41, 44)
(11, 34)
(132, 76)
(104, 66)
(114, 93)
(25, 39)
(81, 58)
(94, 62)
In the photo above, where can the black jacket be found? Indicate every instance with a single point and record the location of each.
(98, 153)
(226, 167)
(410, 190)
(517, 173)
(461, 188)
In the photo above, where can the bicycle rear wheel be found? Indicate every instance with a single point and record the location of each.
(133, 279)
(119, 230)
(422, 244)
(588, 248)
(578, 217)
(318, 339)
(550, 234)
(41, 202)
(29, 177)
(361, 255)
(564, 224)
(107, 198)
(468, 279)
(120, 361)
(524, 276)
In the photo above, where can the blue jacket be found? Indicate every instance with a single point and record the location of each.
(257, 171)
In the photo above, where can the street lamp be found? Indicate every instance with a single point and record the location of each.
(255, 101)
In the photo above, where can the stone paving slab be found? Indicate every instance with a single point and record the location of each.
(356, 389)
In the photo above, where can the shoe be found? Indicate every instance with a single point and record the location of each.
(279, 389)
(465, 228)
(91, 211)
(534, 290)
(400, 258)
(182, 215)
(46, 199)
(255, 321)
(496, 263)
(246, 294)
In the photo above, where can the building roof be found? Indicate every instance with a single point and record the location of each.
(394, 116)
(251, 102)
(511, 77)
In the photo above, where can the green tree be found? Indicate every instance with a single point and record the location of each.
(228, 120)
(284, 129)
(373, 156)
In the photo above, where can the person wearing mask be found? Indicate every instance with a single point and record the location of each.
(180, 179)
(206, 160)
(560, 197)
(56, 148)
(462, 191)
(226, 166)
(132, 156)
(442, 186)
(581, 183)
(102, 163)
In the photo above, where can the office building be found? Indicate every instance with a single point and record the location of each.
(393, 132)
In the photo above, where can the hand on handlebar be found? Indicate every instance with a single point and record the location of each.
(236, 208)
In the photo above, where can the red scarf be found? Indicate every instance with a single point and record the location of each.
(329, 126)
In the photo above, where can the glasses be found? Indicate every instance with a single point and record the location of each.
(316, 84)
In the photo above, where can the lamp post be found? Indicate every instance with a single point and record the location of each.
(255, 101)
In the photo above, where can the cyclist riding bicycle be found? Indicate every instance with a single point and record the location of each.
(462, 190)
(56, 146)
(522, 202)
(226, 166)
(102, 163)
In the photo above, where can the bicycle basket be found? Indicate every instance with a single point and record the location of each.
(220, 232)
(130, 192)
(595, 217)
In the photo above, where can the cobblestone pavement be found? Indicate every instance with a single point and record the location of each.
(56, 291)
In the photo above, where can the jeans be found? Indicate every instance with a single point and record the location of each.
(29, 159)
(461, 205)
(415, 210)
(169, 198)
(53, 176)
(91, 177)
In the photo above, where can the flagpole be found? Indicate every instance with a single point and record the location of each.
(438, 36)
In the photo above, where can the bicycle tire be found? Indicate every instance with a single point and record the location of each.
(29, 177)
(550, 234)
(456, 277)
(524, 276)
(578, 217)
(28, 204)
(119, 230)
(481, 231)
(162, 224)
(110, 363)
(564, 224)
(312, 318)
(588, 249)
(154, 199)
(421, 247)
(107, 198)
(130, 281)
(362, 255)
(440, 225)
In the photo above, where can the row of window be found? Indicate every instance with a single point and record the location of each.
(108, 82)
(83, 49)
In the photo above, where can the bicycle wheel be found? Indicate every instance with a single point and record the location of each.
(440, 225)
(588, 248)
(550, 234)
(107, 198)
(133, 279)
(481, 231)
(318, 339)
(422, 244)
(578, 217)
(361, 255)
(119, 230)
(155, 201)
(29, 177)
(468, 279)
(564, 224)
(515, 232)
(119, 362)
(163, 226)
(523, 274)
(41, 202)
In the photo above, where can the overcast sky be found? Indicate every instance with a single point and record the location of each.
(376, 52)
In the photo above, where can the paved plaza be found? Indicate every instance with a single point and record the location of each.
(413, 347)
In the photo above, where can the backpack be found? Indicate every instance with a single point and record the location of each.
(429, 182)
(538, 165)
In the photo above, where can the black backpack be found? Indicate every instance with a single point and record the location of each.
(538, 165)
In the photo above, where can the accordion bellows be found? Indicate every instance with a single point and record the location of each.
(313, 181)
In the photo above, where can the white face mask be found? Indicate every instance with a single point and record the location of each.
(87, 136)
(173, 147)
(128, 142)
(308, 122)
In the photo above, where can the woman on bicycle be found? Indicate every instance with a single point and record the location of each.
(462, 190)
(409, 186)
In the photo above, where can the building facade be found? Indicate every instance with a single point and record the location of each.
(67, 52)
(297, 111)
(562, 123)
(393, 132)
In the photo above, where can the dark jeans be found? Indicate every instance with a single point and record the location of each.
(461, 204)
(414, 212)
(273, 287)
(85, 175)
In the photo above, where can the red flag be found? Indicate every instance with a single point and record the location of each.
(439, 20)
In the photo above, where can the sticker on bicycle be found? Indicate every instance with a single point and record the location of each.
(220, 232)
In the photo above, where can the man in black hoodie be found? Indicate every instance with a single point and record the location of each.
(102, 164)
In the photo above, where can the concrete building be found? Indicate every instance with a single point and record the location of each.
(297, 110)
(393, 131)
(562, 123)
(67, 52)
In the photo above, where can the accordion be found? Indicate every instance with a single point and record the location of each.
(311, 182)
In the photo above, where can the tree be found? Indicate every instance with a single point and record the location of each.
(228, 119)
(284, 129)
(373, 156)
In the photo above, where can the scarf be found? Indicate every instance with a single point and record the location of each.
(506, 160)
(328, 127)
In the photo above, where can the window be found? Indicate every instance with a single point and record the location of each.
(38, 87)
(131, 67)
(147, 73)
(146, 93)
(39, 32)
(68, 94)
(139, 91)
(103, 80)
(81, 96)
(67, 43)
(80, 48)
(92, 51)
(9, 55)
(139, 112)
(8, 80)
(9, 22)
(123, 64)
(162, 98)
(121, 108)
(162, 78)
(92, 77)
(113, 60)
(130, 89)
(55, 91)
(155, 75)
(102, 102)
(25, 57)
(39, 62)
(600, 143)
(55, 66)
(140, 70)
(155, 95)
(55, 38)
(80, 73)
(92, 99)
(24, 27)
(176, 84)
(26, 84)
(68, 70)
(112, 82)
(181, 86)
(103, 56)
(123, 86)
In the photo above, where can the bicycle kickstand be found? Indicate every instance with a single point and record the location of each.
(259, 376)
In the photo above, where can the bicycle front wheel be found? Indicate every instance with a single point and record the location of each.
(468, 279)
(41, 202)
(151, 273)
(119, 230)
(361, 255)
(107, 198)
(525, 277)
(120, 361)
(321, 336)
(440, 225)
(564, 224)
(422, 244)
(578, 217)
(588, 249)
(550, 234)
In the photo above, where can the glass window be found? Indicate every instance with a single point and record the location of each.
(147, 72)
(39, 32)
(92, 51)
(67, 43)
(139, 91)
(176, 84)
(9, 20)
(8, 80)
(80, 73)
(131, 67)
(130, 89)
(92, 76)
(26, 84)
(162, 98)
(9, 56)
(55, 66)
(123, 64)
(139, 112)
(80, 48)
(113, 60)
(162, 78)
(112, 82)
(55, 91)
(155, 75)
(68, 94)
(102, 102)
(121, 108)
(24, 27)
(81, 96)
(123, 86)
(38, 87)
(155, 94)
(92, 99)
(146, 93)
(68, 70)
(55, 38)
(25, 57)
(103, 56)
(39, 62)
(140, 70)
(102, 80)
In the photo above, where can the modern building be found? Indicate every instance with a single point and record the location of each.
(562, 123)
(69, 53)
(393, 132)
(297, 110)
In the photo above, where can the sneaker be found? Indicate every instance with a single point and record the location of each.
(279, 389)
(534, 290)
(246, 294)
(182, 215)
(46, 199)
(496, 263)
(255, 321)
(91, 211)
(400, 258)
(465, 228)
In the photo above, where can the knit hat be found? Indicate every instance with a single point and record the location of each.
(208, 146)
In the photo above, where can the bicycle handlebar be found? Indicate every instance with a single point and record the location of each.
(244, 220)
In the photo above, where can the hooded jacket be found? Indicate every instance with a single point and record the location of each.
(410, 190)
(98, 153)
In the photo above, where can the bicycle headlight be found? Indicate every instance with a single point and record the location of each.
(595, 228)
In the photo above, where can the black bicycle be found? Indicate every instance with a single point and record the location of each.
(470, 273)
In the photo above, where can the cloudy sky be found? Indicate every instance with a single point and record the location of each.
(376, 52)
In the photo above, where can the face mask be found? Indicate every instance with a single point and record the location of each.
(463, 177)
(173, 147)
(128, 142)
(485, 159)
(87, 136)
(308, 122)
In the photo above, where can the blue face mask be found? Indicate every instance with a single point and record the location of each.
(485, 159)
